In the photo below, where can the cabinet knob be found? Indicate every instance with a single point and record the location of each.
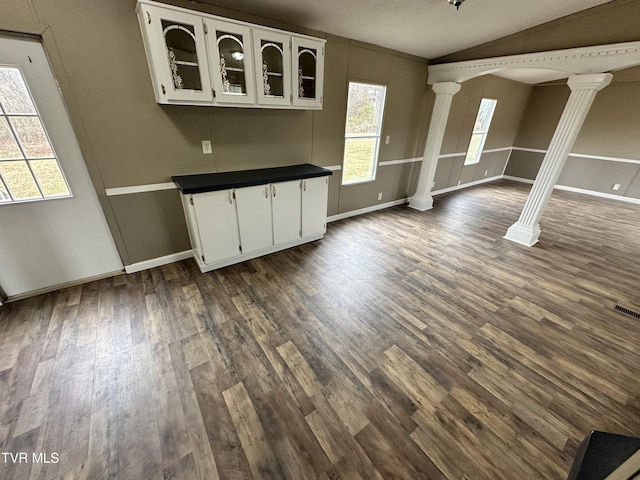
(266, 192)
(273, 188)
(304, 185)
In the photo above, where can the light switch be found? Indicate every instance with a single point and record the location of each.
(206, 146)
(387, 139)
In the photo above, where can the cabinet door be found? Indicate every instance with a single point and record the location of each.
(215, 214)
(315, 193)
(286, 205)
(308, 72)
(254, 217)
(176, 49)
(230, 51)
(272, 52)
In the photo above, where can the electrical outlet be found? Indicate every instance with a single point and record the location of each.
(616, 187)
(380, 196)
(206, 147)
(459, 182)
(486, 172)
(387, 139)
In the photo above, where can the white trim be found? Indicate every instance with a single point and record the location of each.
(386, 163)
(464, 154)
(451, 155)
(158, 262)
(360, 211)
(518, 179)
(532, 150)
(152, 187)
(571, 61)
(584, 155)
(608, 159)
(464, 185)
(593, 193)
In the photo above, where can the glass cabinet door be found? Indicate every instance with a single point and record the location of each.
(231, 62)
(272, 52)
(180, 54)
(308, 70)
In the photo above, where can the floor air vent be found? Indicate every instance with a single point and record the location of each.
(627, 311)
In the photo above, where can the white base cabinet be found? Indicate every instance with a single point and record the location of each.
(237, 224)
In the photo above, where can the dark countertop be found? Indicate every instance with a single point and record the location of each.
(209, 182)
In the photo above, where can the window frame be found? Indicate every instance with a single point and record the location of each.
(483, 133)
(377, 136)
(28, 159)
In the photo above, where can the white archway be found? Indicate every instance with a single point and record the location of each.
(588, 71)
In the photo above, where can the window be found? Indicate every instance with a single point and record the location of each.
(480, 130)
(29, 169)
(365, 107)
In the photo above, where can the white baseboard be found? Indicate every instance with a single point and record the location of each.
(465, 185)
(158, 262)
(583, 191)
(599, 194)
(370, 209)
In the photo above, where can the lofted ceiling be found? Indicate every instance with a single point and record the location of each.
(426, 28)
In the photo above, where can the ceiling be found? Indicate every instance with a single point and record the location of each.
(426, 28)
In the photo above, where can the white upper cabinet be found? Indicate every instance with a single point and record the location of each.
(308, 69)
(231, 55)
(201, 59)
(177, 55)
(272, 66)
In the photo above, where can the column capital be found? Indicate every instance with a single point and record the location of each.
(590, 81)
(446, 88)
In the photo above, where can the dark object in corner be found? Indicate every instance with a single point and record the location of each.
(600, 454)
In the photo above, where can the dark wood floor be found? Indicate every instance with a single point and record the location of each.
(404, 345)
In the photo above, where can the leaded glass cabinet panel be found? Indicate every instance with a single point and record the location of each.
(273, 67)
(231, 56)
(177, 54)
(308, 65)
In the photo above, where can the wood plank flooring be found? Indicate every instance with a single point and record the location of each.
(404, 345)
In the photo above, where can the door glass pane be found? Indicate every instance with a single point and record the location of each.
(19, 180)
(32, 137)
(180, 40)
(8, 145)
(14, 96)
(49, 177)
(231, 48)
(22, 134)
(272, 68)
(4, 193)
(307, 72)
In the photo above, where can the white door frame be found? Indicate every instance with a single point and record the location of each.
(57, 242)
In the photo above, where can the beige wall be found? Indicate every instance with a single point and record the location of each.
(512, 99)
(610, 129)
(128, 140)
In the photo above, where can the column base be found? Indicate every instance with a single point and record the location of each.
(523, 234)
(421, 202)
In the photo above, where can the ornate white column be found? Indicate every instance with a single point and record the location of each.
(583, 91)
(445, 91)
